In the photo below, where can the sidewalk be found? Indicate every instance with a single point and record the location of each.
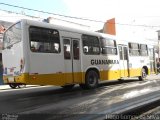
(154, 77)
(6, 87)
(3, 87)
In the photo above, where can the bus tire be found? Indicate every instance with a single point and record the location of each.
(91, 80)
(68, 87)
(13, 85)
(21, 85)
(143, 74)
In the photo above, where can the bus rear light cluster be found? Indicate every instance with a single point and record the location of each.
(21, 65)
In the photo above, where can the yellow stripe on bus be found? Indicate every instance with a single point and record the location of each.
(69, 78)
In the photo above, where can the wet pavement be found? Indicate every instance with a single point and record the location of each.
(54, 101)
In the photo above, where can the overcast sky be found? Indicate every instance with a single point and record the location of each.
(141, 12)
(91, 9)
(101, 9)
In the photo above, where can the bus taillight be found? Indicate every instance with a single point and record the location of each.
(21, 65)
(3, 69)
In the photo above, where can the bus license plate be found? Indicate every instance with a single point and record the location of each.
(10, 79)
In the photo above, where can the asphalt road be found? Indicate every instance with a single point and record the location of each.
(49, 102)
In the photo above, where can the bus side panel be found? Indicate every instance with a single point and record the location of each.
(108, 66)
(46, 68)
(145, 62)
(110, 70)
(134, 66)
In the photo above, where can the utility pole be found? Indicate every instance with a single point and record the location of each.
(158, 45)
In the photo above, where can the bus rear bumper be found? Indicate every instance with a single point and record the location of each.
(16, 79)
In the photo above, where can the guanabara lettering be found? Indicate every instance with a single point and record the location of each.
(104, 62)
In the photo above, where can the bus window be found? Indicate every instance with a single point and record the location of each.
(108, 46)
(12, 35)
(76, 49)
(41, 48)
(134, 49)
(44, 40)
(120, 52)
(91, 45)
(67, 49)
(125, 53)
(143, 50)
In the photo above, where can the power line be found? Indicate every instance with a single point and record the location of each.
(51, 13)
(18, 14)
(39, 17)
(134, 25)
(99, 21)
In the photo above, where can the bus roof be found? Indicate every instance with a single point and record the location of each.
(63, 28)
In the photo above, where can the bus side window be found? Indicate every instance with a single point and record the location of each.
(54, 50)
(92, 44)
(76, 49)
(33, 48)
(44, 39)
(66, 53)
(134, 49)
(85, 50)
(41, 48)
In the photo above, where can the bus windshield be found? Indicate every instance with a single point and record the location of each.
(12, 35)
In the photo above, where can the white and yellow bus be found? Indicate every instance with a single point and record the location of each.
(38, 53)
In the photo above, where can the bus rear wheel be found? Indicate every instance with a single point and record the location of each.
(91, 80)
(143, 75)
(21, 85)
(13, 85)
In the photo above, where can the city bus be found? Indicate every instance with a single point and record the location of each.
(38, 53)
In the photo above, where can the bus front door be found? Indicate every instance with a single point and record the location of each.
(72, 64)
(152, 60)
(123, 54)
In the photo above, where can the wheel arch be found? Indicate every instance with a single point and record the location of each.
(93, 68)
(146, 69)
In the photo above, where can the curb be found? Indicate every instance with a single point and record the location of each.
(7, 87)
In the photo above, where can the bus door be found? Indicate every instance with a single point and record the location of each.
(152, 60)
(72, 62)
(124, 67)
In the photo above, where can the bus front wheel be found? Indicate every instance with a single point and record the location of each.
(91, 80)
(143, 75)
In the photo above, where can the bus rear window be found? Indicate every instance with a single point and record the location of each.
(12, 35)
